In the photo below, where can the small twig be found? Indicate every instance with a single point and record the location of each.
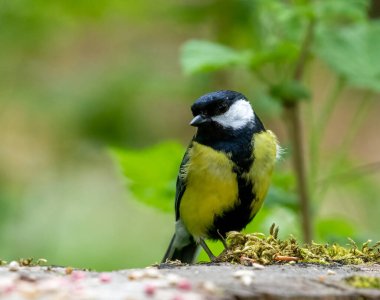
(244, 260)
(285, 258)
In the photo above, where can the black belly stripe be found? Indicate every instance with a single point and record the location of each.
(239, 216)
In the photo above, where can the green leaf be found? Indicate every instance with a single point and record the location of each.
(291, 90)
(283, 52)
(283, 192)
(266, 105)
(151, 173)
(340, 12)
(279, 197)
(203, 56)
(353, 53)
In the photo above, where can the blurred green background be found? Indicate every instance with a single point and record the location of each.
(94, 113)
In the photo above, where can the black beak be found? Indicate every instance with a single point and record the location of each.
(198, 120)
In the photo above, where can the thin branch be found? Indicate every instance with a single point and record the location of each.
(295, 133)
(300, 66)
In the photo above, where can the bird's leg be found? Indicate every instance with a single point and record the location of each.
(207, 250)
(222, 239)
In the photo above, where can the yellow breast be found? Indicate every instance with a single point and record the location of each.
(265, 151)
(211, 188)
(211, 184)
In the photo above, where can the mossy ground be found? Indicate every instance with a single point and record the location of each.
(27, 262)
(366, 282)
(269, 249)
(264, 249)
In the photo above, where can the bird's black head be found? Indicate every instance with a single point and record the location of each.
(224, 109)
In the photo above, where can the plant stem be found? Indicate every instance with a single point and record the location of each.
(292, 110)
(295, 135)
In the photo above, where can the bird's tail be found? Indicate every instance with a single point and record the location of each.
(186, 253)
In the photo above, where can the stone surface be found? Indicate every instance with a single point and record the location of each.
(224, 281)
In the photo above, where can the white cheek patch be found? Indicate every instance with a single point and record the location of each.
(237, 116)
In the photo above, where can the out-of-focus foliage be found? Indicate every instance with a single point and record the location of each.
(79, 77)
(151, 173)
(203, 56)
(282, 192)
(75, 78)
(278, 29)
(352, 52)
(342, 229)
(292, 90)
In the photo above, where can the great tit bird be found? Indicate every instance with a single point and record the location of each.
(224, 175)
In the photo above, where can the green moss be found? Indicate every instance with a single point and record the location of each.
(364, 282)
(257, 247)
(27, 262)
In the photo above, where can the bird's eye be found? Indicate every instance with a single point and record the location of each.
(195, 111)
(222, 108)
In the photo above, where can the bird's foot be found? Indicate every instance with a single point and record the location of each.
(212, 257)
(222, 239)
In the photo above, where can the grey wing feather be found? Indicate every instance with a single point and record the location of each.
(182, 245)
(181, 183)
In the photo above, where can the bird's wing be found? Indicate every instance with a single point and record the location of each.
(181, 182)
